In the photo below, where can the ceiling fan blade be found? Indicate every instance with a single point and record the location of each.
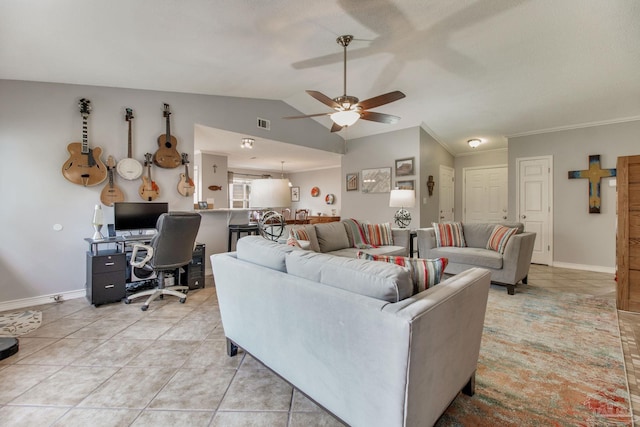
(336, 127)
(379, 100)
(308, 115)
(379, 117)
(323, 98)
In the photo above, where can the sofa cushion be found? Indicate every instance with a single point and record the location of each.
(449, 234)
(424, 272)
(499, 238)
(261, 251)
(378, 234)
(332, 236)
(309, 231)
(379, 280)
(380, 250)
(476, 235)
(478, 257)
(356, 234)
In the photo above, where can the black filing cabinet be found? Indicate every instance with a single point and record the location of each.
(106, 277)
(194, 271)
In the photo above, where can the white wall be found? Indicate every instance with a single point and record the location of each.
(580, 238)
(378, 151)
(328, 181)
(39, 120)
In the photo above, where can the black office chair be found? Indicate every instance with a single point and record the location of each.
(170, 249)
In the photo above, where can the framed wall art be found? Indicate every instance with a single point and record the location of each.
(376, 180)
(352, 182)
(409, 184)
(404, 167)
(295, 194)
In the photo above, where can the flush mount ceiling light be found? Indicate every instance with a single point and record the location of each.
(247, 142)
(473, 143)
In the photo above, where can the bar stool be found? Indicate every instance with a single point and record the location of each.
(239, 229)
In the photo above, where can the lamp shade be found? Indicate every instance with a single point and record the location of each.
(402, 198)
(270, 193)
(345, 118)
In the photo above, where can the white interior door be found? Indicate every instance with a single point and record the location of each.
(446, 190)
(485, 194)
(534, 196)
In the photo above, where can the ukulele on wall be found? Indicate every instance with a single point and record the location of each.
(166, 156)
(111, 193)
(149, 190)
(129, 168)
(84, 166)
(185, 185)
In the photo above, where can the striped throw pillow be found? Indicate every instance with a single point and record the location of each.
(449, 234)
(378, 234)
(425, 273)
(499, 238)
(299, 234)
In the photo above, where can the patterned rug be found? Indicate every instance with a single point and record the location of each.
(16, 324)
(547, 358)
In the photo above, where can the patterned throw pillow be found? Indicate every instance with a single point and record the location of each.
(499, 238)
(299, 234)
(378, 234)
(449, 234)
(425, 273)
(293, 242)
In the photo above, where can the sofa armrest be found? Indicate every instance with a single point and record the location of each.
(517, 258)
(401, 237)
(426, 241)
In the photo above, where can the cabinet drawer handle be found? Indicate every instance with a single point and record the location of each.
(110, 286)
(109, 263)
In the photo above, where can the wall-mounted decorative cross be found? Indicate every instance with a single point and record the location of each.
(594, 174)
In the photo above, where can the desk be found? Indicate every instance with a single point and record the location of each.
(239, 229)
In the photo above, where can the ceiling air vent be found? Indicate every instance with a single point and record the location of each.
(264, 124)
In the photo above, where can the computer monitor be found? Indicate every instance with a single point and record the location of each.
(137, 215)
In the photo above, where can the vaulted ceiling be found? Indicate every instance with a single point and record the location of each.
(484, 69)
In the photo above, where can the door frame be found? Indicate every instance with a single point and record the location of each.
(549, 159)
(464, 185)
(453, 190)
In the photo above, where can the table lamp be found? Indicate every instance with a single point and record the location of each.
(97, 222)
(267, 194)
(402, 199)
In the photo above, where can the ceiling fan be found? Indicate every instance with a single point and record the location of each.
(348, 109)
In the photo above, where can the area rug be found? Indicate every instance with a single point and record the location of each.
(547, 358)
(16, 324)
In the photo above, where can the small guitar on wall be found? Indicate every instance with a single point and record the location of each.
(111, 193)
(84, 166)
(149, 190)
(129, 168)
(185, 185)
(167, 156)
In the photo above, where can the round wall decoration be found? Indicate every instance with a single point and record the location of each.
(315, 192)
(330, 199)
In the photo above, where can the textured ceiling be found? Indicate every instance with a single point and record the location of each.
(470, 69)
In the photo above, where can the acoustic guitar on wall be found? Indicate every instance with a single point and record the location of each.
(185, 185)
(111, 193)
(167, 156)
(149, 190)
(129, 168)
(84, 166)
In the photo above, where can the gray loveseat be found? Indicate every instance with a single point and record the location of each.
(336, 238)
(346, 334)
(506, 269)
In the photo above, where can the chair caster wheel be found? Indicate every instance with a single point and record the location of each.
(144, 307)
(182, 300)
(127, 301)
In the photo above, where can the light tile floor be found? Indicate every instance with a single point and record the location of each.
(118, 366)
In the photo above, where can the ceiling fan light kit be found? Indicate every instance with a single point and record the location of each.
(349, 109)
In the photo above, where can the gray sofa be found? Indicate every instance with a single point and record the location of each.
(344, 332)
(336, 238)
(506, 269)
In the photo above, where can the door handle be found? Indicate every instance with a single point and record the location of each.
(504, 217)
(524, 217)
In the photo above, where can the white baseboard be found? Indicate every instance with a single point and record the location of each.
(43, 299)
(596, 268)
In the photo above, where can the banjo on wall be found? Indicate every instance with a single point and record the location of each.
(129, 168)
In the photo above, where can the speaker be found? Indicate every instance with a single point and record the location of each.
(138, 274)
